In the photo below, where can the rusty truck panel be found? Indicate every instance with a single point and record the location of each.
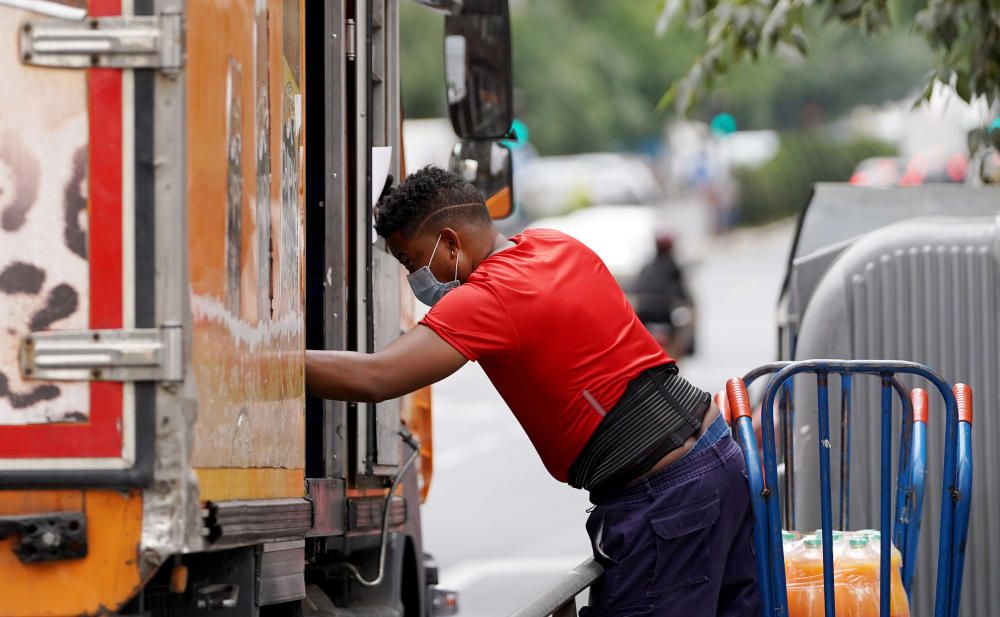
(245, 213)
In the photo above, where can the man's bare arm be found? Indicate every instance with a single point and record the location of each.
(417, 359)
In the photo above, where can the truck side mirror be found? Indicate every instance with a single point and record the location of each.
(478, 69)
(487, 165)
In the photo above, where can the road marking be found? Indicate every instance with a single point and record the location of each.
(467, 573)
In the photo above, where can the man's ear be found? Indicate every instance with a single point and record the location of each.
(450, 241)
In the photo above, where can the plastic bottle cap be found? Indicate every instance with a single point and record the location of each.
(859, 542)
(875, 536)
(787, 536)
(837, 535)
(813, 541)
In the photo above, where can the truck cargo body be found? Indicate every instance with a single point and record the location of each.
(186, 206)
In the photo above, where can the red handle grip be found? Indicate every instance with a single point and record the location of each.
(963, 401)
(918, 398)
(739, 400)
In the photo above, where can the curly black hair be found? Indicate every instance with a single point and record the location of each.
(425, 197)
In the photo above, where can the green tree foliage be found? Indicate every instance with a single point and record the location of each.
(421, 54)
(588, 73)
(843, 70)
(964, 34)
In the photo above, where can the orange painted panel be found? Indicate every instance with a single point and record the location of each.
(100, 582)
(246, 236)
(20, 502)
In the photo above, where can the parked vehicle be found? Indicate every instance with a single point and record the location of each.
(555, 185)
(908, 273)
(877, 171)
(622, 236)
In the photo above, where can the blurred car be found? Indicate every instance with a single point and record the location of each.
(921, 168)
(622, 236)
(428, 141)
(554, 185)
(878, 171)
(934, 167)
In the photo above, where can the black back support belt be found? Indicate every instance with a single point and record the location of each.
(657, 413)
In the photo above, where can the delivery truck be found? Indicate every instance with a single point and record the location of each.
(187, 191)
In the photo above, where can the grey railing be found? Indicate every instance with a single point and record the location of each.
(559, 600)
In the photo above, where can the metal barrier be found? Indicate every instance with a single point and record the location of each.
(559, 600)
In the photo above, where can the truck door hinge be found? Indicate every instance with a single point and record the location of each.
(136, 42)
(148, 354)
(350, 40)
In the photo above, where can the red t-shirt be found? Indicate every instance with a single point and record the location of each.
(552, 329)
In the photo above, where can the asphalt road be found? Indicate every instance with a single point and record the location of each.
(500, 527)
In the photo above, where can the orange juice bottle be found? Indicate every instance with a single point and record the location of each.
(856, 580)
(805, 578)
(839, 545)
(899, 604)
(792, 550)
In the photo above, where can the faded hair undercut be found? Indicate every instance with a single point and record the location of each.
(430, 199)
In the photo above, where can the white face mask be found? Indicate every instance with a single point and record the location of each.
(425, 285)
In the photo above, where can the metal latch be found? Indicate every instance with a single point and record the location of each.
(153, 354)
(138, 42)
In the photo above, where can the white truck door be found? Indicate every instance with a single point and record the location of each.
(79, 349)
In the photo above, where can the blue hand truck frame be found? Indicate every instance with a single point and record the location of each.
(764, 488)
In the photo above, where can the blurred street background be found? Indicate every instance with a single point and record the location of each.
(593, 157)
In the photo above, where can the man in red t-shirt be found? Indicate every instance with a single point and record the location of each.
(602, 403)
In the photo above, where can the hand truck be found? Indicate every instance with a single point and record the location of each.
(904, 521)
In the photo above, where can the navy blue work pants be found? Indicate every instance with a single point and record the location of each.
(679, 542)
